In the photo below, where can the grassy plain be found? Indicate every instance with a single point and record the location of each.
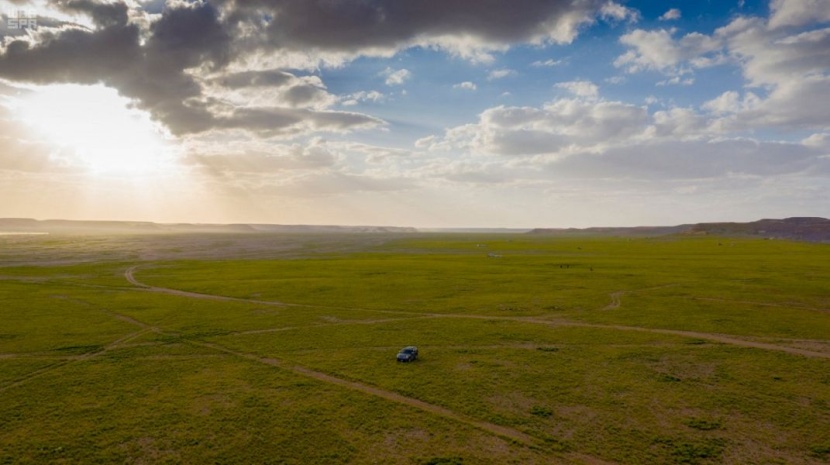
(552, 350)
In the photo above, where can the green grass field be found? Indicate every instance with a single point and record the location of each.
(554, 350)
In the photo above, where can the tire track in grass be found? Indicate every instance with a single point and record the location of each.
(129, 275)
(501, 431)
(721, 338)
(118, 343)
(763, 304)
(80, 358)
(324, 325)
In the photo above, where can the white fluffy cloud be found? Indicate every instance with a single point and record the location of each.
(585, 89)
(670, 15)
(549, 63)
(466, 85)
(659, 50)
(396, 77)
(615, 11)
(362, 96)
(500, 74)
(557, 127)
(798, 12)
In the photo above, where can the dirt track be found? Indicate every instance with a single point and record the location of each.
(67, 360)
(501, 431)
(375, 391)
(615, 303)
(497, 430)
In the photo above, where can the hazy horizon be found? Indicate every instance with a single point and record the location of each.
(454, 114)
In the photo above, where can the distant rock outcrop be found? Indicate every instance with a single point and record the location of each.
(27, 225)
(801, 229)
(811, 229)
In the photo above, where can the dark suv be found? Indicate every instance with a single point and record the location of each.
(408, 354)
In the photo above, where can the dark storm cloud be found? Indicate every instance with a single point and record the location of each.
(152, 73)
(274, 78)
(153, 61)
(102, 14)
(351, 25)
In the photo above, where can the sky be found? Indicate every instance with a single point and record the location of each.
(425, 113)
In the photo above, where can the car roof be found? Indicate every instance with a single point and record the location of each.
(409, 348)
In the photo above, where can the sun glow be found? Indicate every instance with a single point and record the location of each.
(94, 127)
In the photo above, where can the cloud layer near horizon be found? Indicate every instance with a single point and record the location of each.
(268, 100)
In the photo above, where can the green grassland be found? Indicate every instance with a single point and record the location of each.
(533, 350)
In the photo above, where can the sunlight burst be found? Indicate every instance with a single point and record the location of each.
(95, 127)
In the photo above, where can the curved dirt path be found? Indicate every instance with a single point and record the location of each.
(129, 274)
(616, 299)
(498, 430)
(722, 338)
(78, 358)
(502, 431)
(762, 304)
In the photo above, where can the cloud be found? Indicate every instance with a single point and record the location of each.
(677, 81)
(273, 88)
(789, 68)
(549, 63)
(658, 50)
(171, 61)
(616, 12)
(396, 77)
(501, 74)
(819, 141)
(325, 184)
(362, 96)
(585, 89)
(265, 158)
(383, 26)
(671, 15)
(175, 69)
(466, 85)
(555, 128)
(678, 160)
(791, 13)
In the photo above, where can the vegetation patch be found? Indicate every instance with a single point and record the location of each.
(513, 343)
(444, 461)
(702, 424)
(543, 412)
(548, 349)
(821, 451)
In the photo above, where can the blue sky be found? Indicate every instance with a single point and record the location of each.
(432, 114)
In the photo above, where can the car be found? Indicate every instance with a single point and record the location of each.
(408, 354)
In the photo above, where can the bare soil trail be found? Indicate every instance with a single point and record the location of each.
(498, 430)
(721, 338)
(79, 358)
(763, 304)
(129, 274)
(714, 337)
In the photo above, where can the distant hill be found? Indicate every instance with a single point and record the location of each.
(811, 229)
(800, 228)
(27, 225)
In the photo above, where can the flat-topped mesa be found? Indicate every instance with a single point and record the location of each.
(812, 229)
(28, 225)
